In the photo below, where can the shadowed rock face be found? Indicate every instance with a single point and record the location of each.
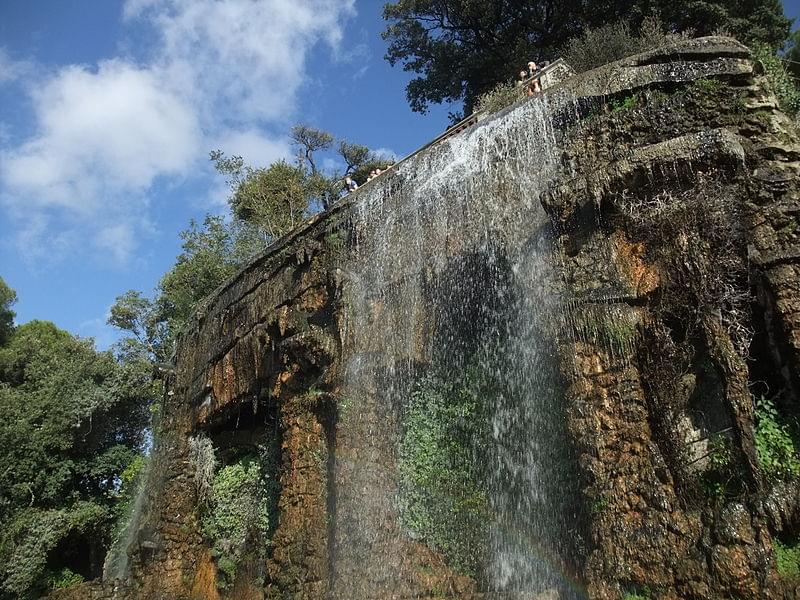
(630, 240)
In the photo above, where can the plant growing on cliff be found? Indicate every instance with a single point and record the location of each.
(500, 96)
(442, 498)
(775, 447)
(787, 558)
(615, 40)
(779, 77)
(236, 516)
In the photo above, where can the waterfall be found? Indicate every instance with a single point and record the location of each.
(452, 281)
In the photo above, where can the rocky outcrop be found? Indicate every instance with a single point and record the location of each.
(673, 213)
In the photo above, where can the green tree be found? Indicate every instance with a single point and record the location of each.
(211, 253)
(7, 299)
(461, 49)
(71, 421)
(309, 140)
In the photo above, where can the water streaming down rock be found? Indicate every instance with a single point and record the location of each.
(453, 269)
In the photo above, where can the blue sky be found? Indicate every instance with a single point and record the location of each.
(109, 110)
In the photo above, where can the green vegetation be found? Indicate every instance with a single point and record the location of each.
(626, 103)
(265, 203)
(708, 86)
(775, 447)
(65, 578)
(597, 46)
(7, 299)
(722, 478)
(461, 49)
(779, 78)
(72, 424)
(636, 596)
(499, 97)
(442, 496)
(237, 505)
(211, 253)
(787, 558)
(237, 515)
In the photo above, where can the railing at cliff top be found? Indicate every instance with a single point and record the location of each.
(471, 120)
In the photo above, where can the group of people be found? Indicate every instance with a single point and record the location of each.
(351, 185)
(529, 78)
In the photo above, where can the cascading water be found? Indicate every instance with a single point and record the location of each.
(452, 273)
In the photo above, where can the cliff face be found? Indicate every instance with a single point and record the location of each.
(617, 260)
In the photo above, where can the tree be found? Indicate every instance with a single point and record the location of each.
(72, 420)
(212, 252)
(309, 140)
(7, 299)
(462, 48)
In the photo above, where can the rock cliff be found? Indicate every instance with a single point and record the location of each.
(638, 264)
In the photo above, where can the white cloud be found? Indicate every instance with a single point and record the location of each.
(244, 55)
(10, 69)
(256, 149)
(221, 71)
(100, 134)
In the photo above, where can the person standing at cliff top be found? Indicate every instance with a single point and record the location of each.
(350, 184)
(533, 70)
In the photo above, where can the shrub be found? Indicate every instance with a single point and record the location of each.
(65, 578)
(502, 95)
(774, 444)
(236, 517)
(779, 78)
(442, 498)
(787, 559)
(613, 41)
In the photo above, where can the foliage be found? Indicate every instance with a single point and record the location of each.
(274, 199)
(626, 103)
(442, 497)
(211, 254)
(615, 40)
(460, 49)
(7, 299)
(779, 78)
(236, 515)
(31, 537)
(775, 447)
(722, 478)
(72, 422)
(787, 558)
(309, 140)
(463, 48)
(792, 54)
(65, 578)
(503, 94)
(708, 86)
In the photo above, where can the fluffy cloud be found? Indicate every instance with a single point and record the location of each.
(247, 56)
(100, 134)
(221, 73)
